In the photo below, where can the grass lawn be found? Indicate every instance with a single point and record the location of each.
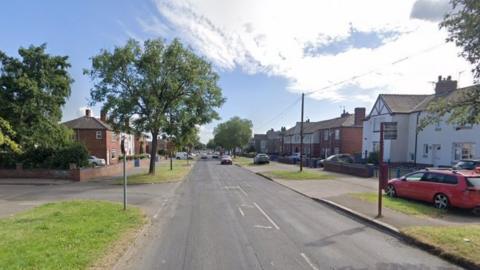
(162, 173)
(402, 205)
(463, 241)
(243, 161)
(297, 175)
(63, 235)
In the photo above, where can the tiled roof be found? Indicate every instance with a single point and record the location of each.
(403, 103)
(87, 122)
(311, 127)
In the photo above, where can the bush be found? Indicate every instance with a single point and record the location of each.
(55, 158)
(373, 158)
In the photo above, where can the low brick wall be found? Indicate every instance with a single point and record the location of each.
(81, 174)
(361, 170)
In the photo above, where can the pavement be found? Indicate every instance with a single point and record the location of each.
(339, 190)
(226, 217)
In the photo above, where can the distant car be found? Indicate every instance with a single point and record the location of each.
(215, 155)
(467, 164)
(181, 155)
(344, 158)
(261, 159)
(204, 156)
(295, 157)
(443, 188)
(96, 161)
(226, 160)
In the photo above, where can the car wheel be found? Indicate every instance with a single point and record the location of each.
(391, 192)
(441, 201)
(476, 211)
(94, 164)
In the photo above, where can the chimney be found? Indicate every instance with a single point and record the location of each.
(444, 86)
(344, 114)
(88, 113)
(103, 115)
(359, 116)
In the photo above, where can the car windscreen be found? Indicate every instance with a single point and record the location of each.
(473, 181)
(469, 165)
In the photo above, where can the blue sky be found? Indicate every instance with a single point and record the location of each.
(264, 65)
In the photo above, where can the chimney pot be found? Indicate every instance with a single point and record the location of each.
(359, 116)
(103, 115)
(88, 113)
(444, 86)
(439, 78)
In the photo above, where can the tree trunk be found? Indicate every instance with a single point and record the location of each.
(153, 153)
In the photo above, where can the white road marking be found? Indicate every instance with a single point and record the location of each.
(243, 191)
(266, 216)
(160, 209)
(247, 205)
(262, 227)
(308, 261)
(241, 212)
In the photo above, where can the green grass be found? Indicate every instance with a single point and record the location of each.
(402, 205)
(462, 241)
(63, 235)
(297, 175)
(162, 173)
(243, 161)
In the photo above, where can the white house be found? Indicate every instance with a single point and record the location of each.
(438, 144)
(129, 143)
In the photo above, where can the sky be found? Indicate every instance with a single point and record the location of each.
(341, 53)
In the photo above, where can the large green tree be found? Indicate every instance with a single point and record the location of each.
(463, 26)
(33, 89)
(6, 134)
(233, 133)
(151, 83)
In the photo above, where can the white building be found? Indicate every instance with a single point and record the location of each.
(438, 144)
(129, 143)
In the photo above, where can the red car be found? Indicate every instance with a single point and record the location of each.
(444, 188)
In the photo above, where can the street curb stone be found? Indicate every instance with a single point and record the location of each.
(460, 261)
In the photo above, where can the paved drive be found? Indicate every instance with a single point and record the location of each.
(227, 218)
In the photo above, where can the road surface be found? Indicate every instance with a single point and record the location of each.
(227, 218)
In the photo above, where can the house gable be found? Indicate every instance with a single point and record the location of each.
(379, 108)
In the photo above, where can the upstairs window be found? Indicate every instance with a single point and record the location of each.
(325, 135)
(337, 134)
(98, 134)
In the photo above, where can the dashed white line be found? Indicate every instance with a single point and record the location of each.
(262, 227)
(241, 212)
(308, 261)
(266, 216)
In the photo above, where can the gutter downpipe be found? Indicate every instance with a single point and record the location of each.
(416, 140)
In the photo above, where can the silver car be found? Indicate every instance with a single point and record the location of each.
(261, 159)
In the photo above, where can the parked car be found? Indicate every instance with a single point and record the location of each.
(444, 188)
(345, 158)
(215, 155)
(96, 161)
(204, 156)
(467, 164)
(295, 157)
(226, 160)
(181, 155)
(261, 159)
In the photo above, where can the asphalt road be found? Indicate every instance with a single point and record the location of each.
(227, 218)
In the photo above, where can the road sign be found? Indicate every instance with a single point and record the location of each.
(390, 130)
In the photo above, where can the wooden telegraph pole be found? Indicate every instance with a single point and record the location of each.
(301, 135)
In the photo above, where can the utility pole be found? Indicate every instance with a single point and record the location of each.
(301, 135)
(122, 147)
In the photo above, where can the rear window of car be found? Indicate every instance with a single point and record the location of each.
(440, 178)
(473, 181)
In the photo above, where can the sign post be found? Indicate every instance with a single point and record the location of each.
(122, 146)
(388, 131)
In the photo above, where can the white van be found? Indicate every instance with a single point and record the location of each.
(181, 155)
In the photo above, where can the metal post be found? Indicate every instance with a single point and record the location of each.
(380, 172)
(124, 182)
(301, 136)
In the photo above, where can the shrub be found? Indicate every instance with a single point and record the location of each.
(55, 158)
(373, 158)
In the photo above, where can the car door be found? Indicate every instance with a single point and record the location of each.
(427, 187)
(407, 187)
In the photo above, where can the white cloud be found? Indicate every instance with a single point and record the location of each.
(270, 36)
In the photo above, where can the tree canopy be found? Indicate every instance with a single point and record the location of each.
(463, 26)
(163, 88)
(233, 133)
(33, 89)
(6, 134)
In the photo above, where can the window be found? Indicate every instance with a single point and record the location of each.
(438, 126)
(325, 135)
(114, 153)
(98, 135)
(465, 126)
(337, 134)
(414, 177)
(376, 147)
(463, 151)
(425, 150)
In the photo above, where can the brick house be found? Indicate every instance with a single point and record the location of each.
(141, 144)
(97, 136)
(327, 137)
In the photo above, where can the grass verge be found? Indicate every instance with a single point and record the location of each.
(297, 175)
(243, 161)
(64, 235)
(460, 241)
(402, 205)
(162, 173)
